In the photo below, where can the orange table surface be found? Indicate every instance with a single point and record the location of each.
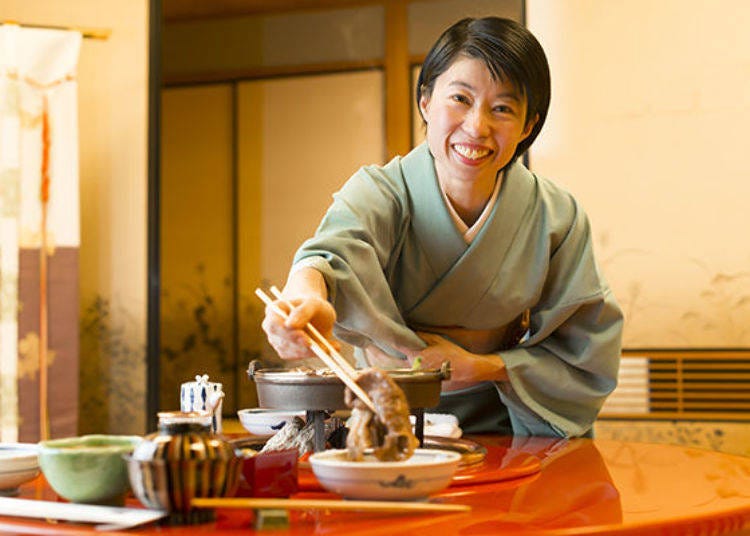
(584, 487)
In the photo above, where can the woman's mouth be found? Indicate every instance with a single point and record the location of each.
(471, 154)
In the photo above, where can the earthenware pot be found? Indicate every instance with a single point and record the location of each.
(181, 461)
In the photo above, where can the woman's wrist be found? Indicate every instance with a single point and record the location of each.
(493, 367)
(306, 282)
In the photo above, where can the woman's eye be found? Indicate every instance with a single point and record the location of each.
(503, 109)
(463, 99)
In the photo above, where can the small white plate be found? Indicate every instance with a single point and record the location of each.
(266, 422)
(19, 463)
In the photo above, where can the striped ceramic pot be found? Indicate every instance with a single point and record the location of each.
(181, 461)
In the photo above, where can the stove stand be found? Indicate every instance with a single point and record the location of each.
(318, 418)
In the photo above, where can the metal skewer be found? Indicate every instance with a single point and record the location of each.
(340, 370)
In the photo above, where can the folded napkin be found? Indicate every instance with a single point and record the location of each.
(440, 425)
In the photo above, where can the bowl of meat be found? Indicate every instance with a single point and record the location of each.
(425, 472)
(381, 460)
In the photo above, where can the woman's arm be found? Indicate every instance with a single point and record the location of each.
(467, 368)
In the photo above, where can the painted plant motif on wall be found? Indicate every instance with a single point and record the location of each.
(198, 337)
(668, 313)
(727, 308)
(113, 359)
(630, 296)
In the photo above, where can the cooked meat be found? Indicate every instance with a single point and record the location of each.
(389, 432)
(309, 371)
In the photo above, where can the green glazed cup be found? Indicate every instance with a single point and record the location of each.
(88, 469)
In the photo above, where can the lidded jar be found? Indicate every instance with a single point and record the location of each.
(181, 461)
(183, 435)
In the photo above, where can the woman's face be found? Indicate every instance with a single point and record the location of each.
(474, 123)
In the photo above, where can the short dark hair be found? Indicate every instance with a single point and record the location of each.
(509, 50)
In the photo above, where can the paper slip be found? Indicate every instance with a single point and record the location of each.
(109, 517)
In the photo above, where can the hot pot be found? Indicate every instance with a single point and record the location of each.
(318, 393)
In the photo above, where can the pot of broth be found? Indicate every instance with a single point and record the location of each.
(321, 390)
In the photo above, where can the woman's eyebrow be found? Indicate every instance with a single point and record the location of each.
(459, 83)
(508, 95)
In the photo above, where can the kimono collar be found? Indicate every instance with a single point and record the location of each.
(430, 217)
(463, 272)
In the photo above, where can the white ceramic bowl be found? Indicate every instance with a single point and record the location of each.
(19, 463)
(266, 422)
(426, 472)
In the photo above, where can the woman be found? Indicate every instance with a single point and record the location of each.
(457, 252)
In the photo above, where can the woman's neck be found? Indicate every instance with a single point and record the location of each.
(469, 198)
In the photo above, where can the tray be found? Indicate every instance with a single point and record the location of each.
(499, 464)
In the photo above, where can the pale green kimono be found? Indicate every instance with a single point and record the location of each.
(392, 257)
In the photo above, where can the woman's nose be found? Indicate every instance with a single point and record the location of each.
(476, 123)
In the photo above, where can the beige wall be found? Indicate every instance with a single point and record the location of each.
(648, 128)
(113, 114)
(311, 146)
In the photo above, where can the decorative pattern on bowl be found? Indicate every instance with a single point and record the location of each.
(171, 485)
(181, 461)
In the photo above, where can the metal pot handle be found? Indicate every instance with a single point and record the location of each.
(445, 370)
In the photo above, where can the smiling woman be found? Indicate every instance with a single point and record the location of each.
(295, 100)
(394, 259)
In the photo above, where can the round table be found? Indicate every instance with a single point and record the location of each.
(583, 486)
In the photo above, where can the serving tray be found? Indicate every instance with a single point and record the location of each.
(497, 465)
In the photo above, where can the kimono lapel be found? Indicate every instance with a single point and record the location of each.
(466, 273)
(431, 220)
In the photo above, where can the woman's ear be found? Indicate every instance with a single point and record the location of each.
(424, 103)
(529, 127)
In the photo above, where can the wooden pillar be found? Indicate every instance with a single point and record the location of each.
(398, 88)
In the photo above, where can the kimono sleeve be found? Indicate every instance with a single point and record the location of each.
(356, 241)
(561, 375)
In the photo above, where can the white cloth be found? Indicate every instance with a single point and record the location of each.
(440, 425)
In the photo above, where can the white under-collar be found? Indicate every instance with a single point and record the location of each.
(469, 233)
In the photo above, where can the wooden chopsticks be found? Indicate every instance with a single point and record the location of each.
(329, 504)
(332, 358)
(320, 338)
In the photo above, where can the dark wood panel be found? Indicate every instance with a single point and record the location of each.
(180, 10)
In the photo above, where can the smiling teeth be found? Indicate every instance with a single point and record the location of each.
(468, 152)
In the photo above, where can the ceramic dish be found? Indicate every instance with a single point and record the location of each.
(426, 472)
(266, 422)
(88, 469)
(19, 463)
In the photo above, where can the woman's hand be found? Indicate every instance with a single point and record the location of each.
(288, 337)
(466, 368)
